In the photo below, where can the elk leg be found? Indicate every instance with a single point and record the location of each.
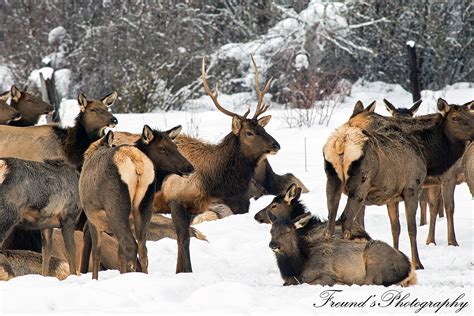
(440, 205)
(410, 196)
(46, 242)
(96, 240)
(423, 206)
(8, 219)
(67, 230)
(361, 216)
(393, 214)
(433, 201)
(333, 194)
(182, 221)
(448, 198)
(122, 261)
(86, 249)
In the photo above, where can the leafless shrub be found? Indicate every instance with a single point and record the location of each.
(313, 97)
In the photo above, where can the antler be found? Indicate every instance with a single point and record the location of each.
(215, 94)
(261, 106)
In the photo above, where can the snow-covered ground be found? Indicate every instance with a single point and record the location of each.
(235, 272)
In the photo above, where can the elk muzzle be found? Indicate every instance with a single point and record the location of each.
(274, 246)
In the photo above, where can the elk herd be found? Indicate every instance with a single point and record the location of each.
(80, 199)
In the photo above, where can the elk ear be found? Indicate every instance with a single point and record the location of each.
(236, 125)
(293, 192)
(443, 107)
(147, 134)
(15, 93)
(5, 95)
(302, 220)
(174, 132)
(371, 107)
(358, 108)
(263, 121)
(390, 107)
(415, 107)
(109, 100)
(82, 100)
(469, 105)
(271, 217)
(108, 139)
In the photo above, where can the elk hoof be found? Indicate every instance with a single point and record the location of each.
(419, 266)
(422, 223)
(430, 241)
(453, 243)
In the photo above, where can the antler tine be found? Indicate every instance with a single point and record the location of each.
(213, 95)
(246, 113)
(261, 106)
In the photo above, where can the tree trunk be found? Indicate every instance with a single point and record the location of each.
(415, 84)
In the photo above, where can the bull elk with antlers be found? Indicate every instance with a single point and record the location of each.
(223, 169)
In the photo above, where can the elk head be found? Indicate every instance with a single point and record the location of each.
(284, 236)
(283, 206)
(30, 106)
(163, 152)
(459, 120)
(8, 113)
(253, 139)
(95, 115)
(402, 112)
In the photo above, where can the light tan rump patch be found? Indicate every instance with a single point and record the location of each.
(344, 146)
(136, 170)
(3, 170)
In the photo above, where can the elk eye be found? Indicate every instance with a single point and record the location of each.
(250, 134)
(92, 110)
(273, 206)
(455, 118)
(162, 150)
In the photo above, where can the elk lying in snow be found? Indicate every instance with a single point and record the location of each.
(378, 160)
(8, 114)
(127, 174)
(39, 143)
(334, 261)
(14, 263)
(30, 106)
(222, 170)
(40, 195)
(288, 206)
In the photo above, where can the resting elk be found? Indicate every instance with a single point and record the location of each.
(375, 161)
(224, 169)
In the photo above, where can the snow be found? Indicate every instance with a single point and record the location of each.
(56, 35)
(6, 78)
(34, 77)
(235, 272)
(301, 61)
(411, 43)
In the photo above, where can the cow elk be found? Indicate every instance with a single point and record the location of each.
(334, 261)
(40, 196)
(117, 183)
(438, 192)
(38, 143)
(288, 206)
(378, 160)
(30, 106)
(222, 170)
